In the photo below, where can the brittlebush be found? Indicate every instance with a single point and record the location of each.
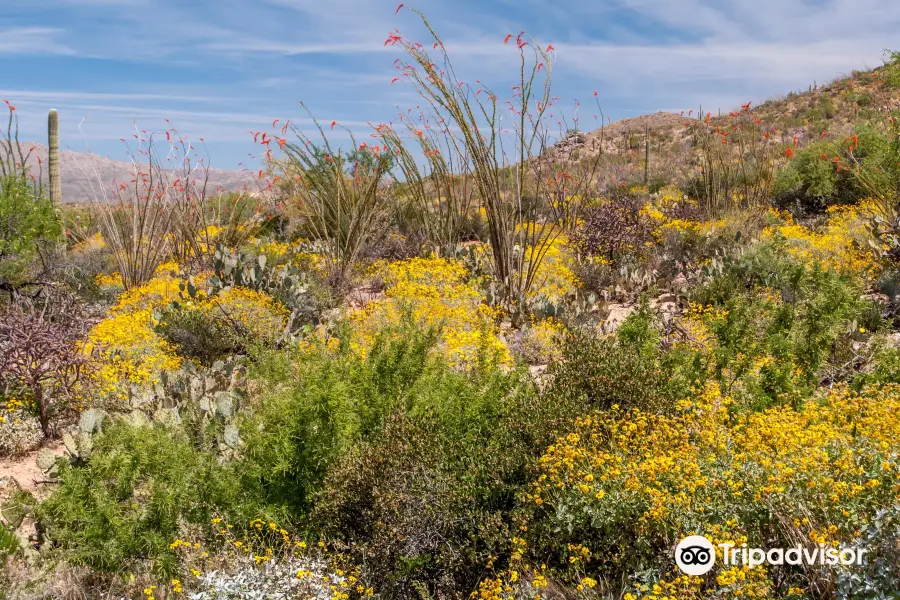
(622, 487)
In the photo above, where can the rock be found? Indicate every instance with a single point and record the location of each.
(893, 339)
(539, 374)
(537, 370)
(616, 315)
(666, 305)
(877, 298)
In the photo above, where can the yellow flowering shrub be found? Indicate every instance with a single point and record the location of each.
(94, 242)
(254, 312)
(668, 200)
(436, 293)
(841, 245)
(211, 232)
(541, 341)
(126, 350)
(628, 484)
(274, 248)
(156, 293)
(553, 278)
(110, 280)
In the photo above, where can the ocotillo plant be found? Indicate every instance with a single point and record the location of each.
(529, 199)
(53, 155)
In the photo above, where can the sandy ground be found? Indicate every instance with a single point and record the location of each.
(24, 470)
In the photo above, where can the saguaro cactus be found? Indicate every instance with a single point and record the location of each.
(53, 152)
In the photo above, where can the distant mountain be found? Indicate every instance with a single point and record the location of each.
(82, 174)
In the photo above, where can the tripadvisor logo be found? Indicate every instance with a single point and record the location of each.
(696, 555)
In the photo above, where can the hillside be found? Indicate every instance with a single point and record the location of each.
(831, 110)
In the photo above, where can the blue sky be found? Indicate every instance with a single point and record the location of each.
(218, 68)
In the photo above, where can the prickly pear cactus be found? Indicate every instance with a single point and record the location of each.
(288, 284)
(47, 463)
(203, 402)
(78, 444)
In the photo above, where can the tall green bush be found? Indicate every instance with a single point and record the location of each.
(814, 180)
(767, 308)
(27, 217)
(321, 404)
(630, 369)
(27, 220)
(138, 492)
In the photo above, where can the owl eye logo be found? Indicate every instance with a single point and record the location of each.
(695, 555)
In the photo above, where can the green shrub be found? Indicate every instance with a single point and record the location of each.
(138, 492)
(9, 543)
(318, 404)
(776, 323)
(411, 464)
(198, 334)
(812, 181)
(629, 369)
(885, 369)
(426, 510)
(892, 69)
(428, 502)
(27, 219)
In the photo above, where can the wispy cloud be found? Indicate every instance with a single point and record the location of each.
(32, 40)
(220, 67)
(67, 96)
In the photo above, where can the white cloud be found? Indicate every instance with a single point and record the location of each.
(32, 40)
(75, 95)
(641, 55)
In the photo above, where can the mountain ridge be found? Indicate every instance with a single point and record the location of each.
(86, 177)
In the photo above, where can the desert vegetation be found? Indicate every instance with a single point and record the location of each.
(461, 361)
